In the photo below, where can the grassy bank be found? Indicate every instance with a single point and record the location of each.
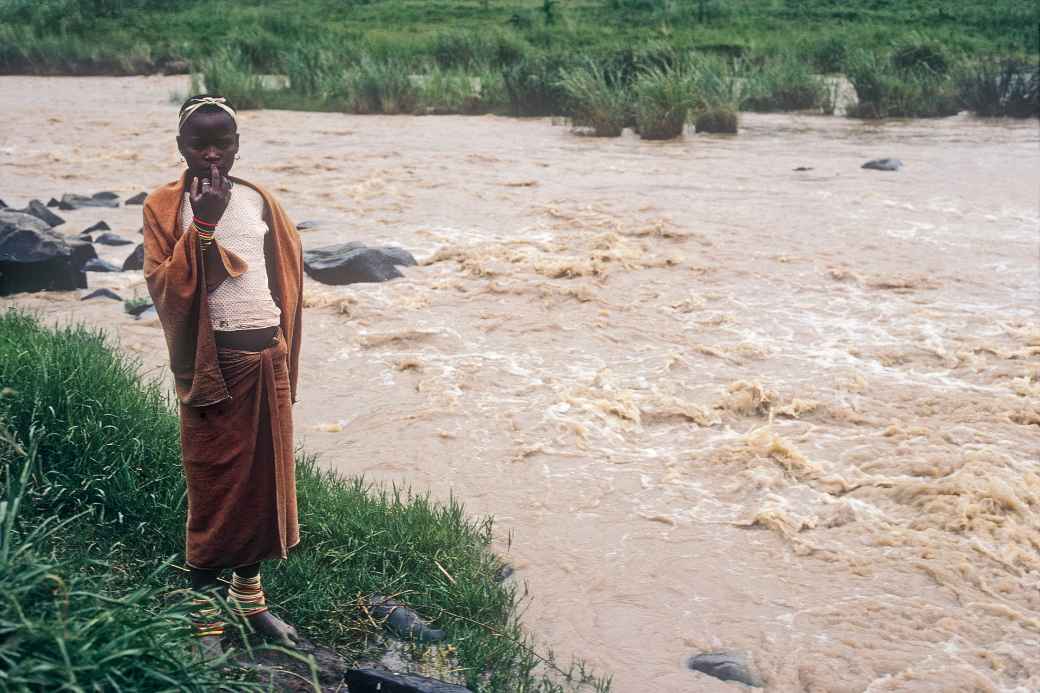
(480, 56)
(93, 521)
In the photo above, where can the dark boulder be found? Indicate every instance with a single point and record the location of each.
(100, 226)
(371, 680)
(304, 225)
(726, 665)
(101, 199)
(112, 239)
(137, 199)
(353, 263)
(53, 203)
(135, 260)
(37, 260)
(148, 313)
(86, 238)
(884, 164)
(137, 306)
(401, 620)
(22, 220)
(96, 264)
(40, 211)
(102, 293)
(3, 205)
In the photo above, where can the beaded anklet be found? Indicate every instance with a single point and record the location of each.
(246, 596)
(205, 231)
(203, 621)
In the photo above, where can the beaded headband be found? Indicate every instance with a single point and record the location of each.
(218, 101)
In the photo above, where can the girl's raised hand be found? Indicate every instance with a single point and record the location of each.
(210, 196)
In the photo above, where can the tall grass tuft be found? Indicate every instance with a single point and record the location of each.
(229, 73)
(663, 98)
(1005, 87)
(885, 89)
(381, 86)
(783, 83)
(107, 465)
(598, 101)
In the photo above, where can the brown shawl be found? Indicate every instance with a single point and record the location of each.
(174, 270)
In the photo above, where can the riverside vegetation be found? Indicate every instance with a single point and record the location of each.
(643, 63)
(92, 522)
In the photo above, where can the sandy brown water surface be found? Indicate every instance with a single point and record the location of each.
(716, 402)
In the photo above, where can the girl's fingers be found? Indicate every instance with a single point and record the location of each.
(194, 188)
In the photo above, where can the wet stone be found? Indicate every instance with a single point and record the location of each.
(304, 225)
(401, 620)
(371, 680)
(101, 199)
(112, 239)
(102, 293)
(353, 263)
(40, 211)
(137, 199)
(726, 665)
(98, 265)
(135, 260)
(34, 259)
(138, 308)
(884, 164)
(53, 203)
(100, 226)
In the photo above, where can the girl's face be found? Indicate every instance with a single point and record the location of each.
(209, 137)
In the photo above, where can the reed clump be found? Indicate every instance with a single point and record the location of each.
(998, 87)
(599, 102)
(888, 86)
(663, 98)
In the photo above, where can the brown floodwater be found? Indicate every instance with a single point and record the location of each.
(714, 402)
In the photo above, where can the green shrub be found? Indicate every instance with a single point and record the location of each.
(381, 86)
(448, 91)
(1000, 87)
(916, 53)
(533, 85)
(662, 102)
(228, 73)
(598, 102)
(885, 91)
(783, 83)
(829, 54)
(717, 119)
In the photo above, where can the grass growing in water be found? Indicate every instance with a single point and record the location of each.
(1005, 87)
(889, 88)
(107, 452)
(663, 100)
(598, 101)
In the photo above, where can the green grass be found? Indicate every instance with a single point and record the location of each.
(333, 49)
(598, 102)
(663, 98)
(104, 450)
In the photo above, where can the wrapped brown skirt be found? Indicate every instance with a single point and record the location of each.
(239, 466)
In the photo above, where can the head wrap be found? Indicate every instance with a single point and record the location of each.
(200, 101)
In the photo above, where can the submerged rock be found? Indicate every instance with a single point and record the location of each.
(101, 199)
(33, 259)
(137, 199)
(96, 264)
(100, 226)
(371, 680)
(135, 260)
(401, 620)
(137, 307)
(726, 665)
(39, 210)
(53, 203)
(304, 225)
(112, 239)
(883, 164)
(102, 293)
(354, 263)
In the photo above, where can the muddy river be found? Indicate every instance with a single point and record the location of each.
(713, 401)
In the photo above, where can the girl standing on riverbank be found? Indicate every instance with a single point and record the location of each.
(224, 268)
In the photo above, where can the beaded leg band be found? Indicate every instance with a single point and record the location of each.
(204, 619)
(246, 596)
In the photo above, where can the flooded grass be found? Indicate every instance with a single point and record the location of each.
(93, 513)
(599, 102)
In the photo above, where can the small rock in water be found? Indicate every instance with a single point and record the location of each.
(53, 203)
(135, 260)
(883, 164)
(102, 293)
(3, 205)
(803, 168)
(353, 263)
(504, 572)
(304, 225)
(401, 620)
(137, 199)
(148, 313)
(40, 211)
(101, 199)
(86, 238)
(96, 264)
(136, 307)
(371, 680)
(100, 226)
(726, 665)
(112, 239)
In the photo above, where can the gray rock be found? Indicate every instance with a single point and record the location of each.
(96, 264)
(371, 680)
(34, 259)
(148, 313)
(102, 293)
(401, 620)
(101, 199)
(304, 225)
(112, 239)
(3, 205)
(100, 226)
(135, 260)
(137, 199)
(884, 164)
(727, 665)
(40, 211)
(53, 203)
(86, 238)
(504, 573)
(23, 220)
(353, 263)
(138, 308)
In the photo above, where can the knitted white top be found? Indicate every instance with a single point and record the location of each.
(243, 302)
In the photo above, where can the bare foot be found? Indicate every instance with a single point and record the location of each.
(274, 628)
(209, 647)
